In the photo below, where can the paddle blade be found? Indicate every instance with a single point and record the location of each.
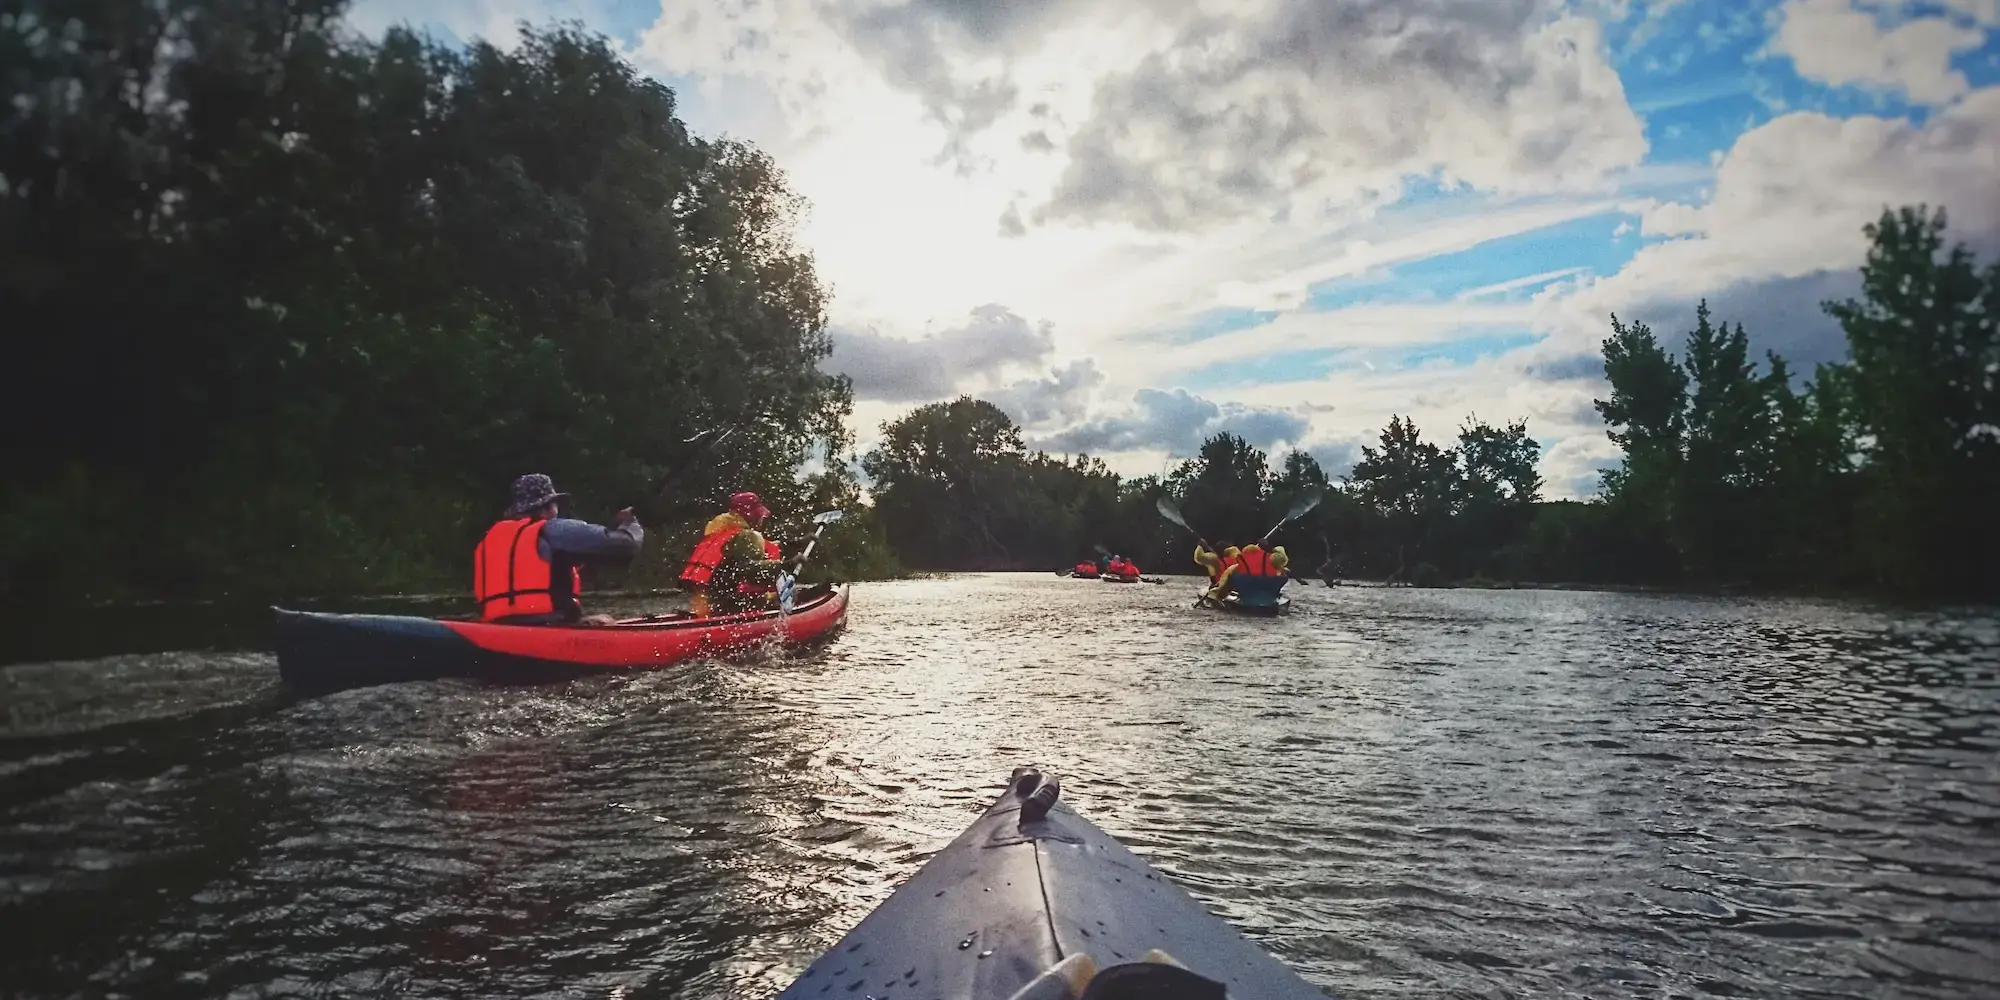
(828, 516)
(1302, 505)
(1170, 512)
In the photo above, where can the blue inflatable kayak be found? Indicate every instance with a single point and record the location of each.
(1035, 903)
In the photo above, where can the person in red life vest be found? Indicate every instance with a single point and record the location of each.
(1085, 570)
(526, 570)
(1126, 566)
(1255, 569)
(734, 567)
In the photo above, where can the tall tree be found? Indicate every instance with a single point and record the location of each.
(1223, 489)
(1714, 523)
(937, 472)
(1646, 417)
(1409, 482)
(339, 292)
(1925, 343)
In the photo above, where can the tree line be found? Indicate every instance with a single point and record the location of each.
(1880, 473)
(289, 309)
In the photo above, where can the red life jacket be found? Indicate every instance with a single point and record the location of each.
(707, 555)
(1256, 562)
(510, 577)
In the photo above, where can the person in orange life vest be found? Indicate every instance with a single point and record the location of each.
(525, 571)
(733, 568)
(1252, 561)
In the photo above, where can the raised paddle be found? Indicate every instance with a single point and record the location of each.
(788, 580)
(1172, 513)
(1299, 508)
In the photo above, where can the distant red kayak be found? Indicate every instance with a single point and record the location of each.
(325, 652)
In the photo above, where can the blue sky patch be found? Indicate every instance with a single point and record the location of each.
(1596, 244)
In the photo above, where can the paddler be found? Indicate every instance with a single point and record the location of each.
(734, 567)
(1218, 567)
(526, 570)
(1254, 570)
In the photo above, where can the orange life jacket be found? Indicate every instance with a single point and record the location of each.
(707, 555)
(510, 577)
(1255, 562)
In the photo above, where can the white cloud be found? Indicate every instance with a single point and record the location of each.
(1176, 422)
(1283, 107)
(1062, 398)
(893, 369)
(1574, 466)
(1789, 204)
(1844, 43)
(1115, 167)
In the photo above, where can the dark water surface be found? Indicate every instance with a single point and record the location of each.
(1400, 793)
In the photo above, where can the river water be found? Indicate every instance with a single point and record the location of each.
(1400, 793)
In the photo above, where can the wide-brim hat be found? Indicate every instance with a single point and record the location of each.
(533, 492)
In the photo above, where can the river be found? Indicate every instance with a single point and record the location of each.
(1400, 793)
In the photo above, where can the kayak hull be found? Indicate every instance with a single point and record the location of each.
(1011, 897)
(1235, 604)
(318, 652)
(1119, 578)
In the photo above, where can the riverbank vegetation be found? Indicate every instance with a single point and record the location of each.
(1878, 474)
(288, 309)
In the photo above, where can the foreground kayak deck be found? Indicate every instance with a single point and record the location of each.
(1016, 894)
(326, 652)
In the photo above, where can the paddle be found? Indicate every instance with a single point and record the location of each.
(1299, 507)
(1172, 513)
(788, 580)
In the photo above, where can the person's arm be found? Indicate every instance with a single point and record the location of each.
(596, 542)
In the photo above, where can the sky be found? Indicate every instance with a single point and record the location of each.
(1135, 223)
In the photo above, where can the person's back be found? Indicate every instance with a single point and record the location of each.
(733, 568)
(526, 570)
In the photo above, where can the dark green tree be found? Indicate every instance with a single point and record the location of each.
(1223, 489)
(1409, 483)
(1925, 343)
(1714, 522)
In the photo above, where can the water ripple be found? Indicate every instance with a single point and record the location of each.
(1402, 794)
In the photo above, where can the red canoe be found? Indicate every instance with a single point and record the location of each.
(324, 652)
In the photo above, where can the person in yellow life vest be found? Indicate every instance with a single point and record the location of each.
(526, 570)
(1218, 567)
(734, 567)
